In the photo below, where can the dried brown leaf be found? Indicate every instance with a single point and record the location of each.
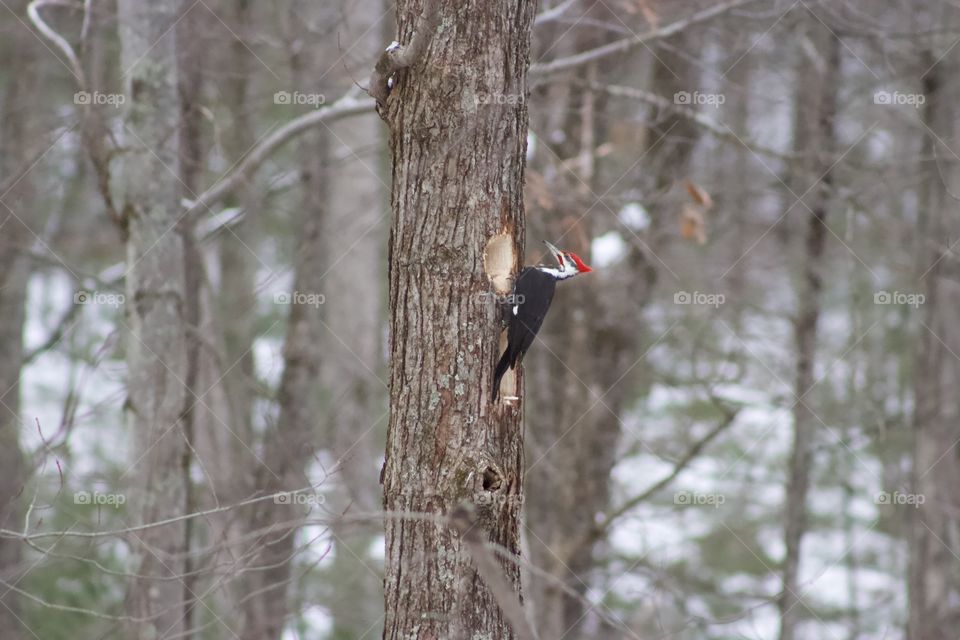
(699, 195)
(692, 225)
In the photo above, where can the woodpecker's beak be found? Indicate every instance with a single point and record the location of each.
(556, 253)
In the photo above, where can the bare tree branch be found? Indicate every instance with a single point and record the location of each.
(540, 71)
(553, 13)
(719, 129)
(33, 10)
(348, 105)
(678, 468)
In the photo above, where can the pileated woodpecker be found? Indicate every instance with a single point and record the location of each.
(528, 305)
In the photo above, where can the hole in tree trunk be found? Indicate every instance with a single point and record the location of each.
(492, 481)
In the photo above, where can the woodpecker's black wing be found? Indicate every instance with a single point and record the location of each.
(532, 295)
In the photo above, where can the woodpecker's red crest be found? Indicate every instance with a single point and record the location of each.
(581, 266)
(570, 263)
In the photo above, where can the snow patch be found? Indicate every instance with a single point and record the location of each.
(607, 249)
(635, 216)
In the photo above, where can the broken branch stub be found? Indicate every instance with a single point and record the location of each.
(397, 56)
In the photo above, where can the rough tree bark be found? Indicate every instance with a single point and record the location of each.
(149, 193)
(813, 139)
(458, 126)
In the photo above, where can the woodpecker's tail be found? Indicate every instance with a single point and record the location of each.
(502, 366)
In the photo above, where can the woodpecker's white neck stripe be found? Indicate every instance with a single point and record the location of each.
(559, 274)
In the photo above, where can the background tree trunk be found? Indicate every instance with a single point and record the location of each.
(354, 371)
(934, 577)
(149, 193)
(16, 146)
(458, 125)
(814, 135)
(289, 444)
(587, 359)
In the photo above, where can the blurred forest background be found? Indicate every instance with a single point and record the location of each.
(743, 424)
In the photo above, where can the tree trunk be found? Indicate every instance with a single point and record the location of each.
(458, 127)
(149, 191)
(934, 529)
(236, 299)
(586, 367)
(290, 443)
(813, 140)
(354, 373)
(190, 146)
(16, 146)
